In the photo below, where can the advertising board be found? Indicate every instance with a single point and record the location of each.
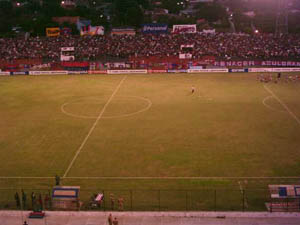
(207, 71)
(185, 28)
(92, 30)
(4, 73)
(52, 32)
(19, 73)
(238, 70)
(154, 28)
(54, 72)
(78, 72)
(157, 71)
(185, 56)
(126, 71)
(97, 72)
(244, 63)
(270, 70)
(177, 71)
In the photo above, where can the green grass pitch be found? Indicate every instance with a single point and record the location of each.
(147, 126)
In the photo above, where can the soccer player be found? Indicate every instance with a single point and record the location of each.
(193, 89)
(278, 75)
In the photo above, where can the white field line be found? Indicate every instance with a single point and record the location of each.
(176, 178)
(153, 178)
(268, 106)
(93, 127)
(283, 104)
(108, 117)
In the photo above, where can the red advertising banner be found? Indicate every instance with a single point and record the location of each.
(75, 64)
(184, 28)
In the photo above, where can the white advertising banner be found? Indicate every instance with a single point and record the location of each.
(58, 72)
(185, 56)
(64, 49)
(126, 71)
(207, 70)
(4, 73)
(257, 70)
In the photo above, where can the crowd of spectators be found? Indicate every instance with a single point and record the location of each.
(220, 45)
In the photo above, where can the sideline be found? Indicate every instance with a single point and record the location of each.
(155, 178)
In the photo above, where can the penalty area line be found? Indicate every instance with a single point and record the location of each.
(93, 127)
(283, 104)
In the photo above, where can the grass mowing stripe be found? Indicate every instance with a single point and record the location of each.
(93, 127)
(283, 104)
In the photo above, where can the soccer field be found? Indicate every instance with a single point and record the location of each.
(122, 127)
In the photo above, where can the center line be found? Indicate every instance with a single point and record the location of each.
(93, 127)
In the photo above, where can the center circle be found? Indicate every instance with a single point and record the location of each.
(90, 107)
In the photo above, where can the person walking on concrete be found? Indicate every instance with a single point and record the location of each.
(17, 198)
(110, 219)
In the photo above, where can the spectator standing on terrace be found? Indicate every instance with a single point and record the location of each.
(46, 201)
(57, 180)
(112, 201)
(24, 198)
(41, 202)
(17, 198)
(33, 198)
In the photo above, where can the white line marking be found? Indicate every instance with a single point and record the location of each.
(27, 177)
(283, 104)
(93, 127)
(269, 107)
(157, 178)
(106, 117)
(180, 178)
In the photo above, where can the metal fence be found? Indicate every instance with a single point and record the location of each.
(144, 200)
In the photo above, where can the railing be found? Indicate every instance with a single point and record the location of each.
(145, 200)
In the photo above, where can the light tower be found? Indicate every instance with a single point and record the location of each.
(282, 17)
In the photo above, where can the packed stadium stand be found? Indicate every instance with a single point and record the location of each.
(220, 45)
